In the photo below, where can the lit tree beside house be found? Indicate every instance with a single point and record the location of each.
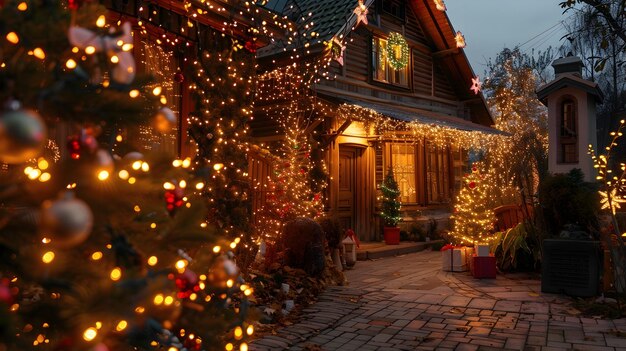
(473, 217)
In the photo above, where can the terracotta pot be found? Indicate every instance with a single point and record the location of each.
(392, 235)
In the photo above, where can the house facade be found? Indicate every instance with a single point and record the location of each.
(366, 89)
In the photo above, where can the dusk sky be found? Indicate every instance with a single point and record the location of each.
(491, 25)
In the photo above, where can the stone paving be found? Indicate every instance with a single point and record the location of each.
(408, 303)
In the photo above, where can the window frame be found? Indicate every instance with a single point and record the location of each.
(421, 158)
(568, 137)
(375, 50)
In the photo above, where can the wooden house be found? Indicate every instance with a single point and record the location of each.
(168, 36)
(432, 89)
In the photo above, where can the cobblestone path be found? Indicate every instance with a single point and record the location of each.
(408, 303)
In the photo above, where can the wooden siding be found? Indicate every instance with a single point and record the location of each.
(422, 72)
(414, 31)
(429, 87)
(443, 88)
(357, 56)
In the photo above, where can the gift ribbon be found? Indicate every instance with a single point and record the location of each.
(350, 234)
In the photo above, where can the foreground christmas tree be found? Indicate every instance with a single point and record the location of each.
(98, 250)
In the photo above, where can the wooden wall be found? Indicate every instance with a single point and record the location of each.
(429, 88)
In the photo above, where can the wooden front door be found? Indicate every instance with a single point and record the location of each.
(347, 187)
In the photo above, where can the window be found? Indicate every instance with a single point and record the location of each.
(423, 173)
(403, 164)
(437, 173)
(382, 71)
(395, 8)
(568, 133)
(162, 65)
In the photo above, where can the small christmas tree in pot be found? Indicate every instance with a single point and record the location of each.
(391, 209)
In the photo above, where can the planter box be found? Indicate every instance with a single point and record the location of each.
(571, 267)
(392, 235)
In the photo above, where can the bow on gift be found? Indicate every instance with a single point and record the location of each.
(119, 46)
(350, 234)
(449, 247)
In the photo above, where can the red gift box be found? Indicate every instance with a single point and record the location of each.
(483, 266)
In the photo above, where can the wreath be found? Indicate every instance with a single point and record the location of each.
(397, 40)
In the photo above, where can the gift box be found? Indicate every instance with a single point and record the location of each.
(453, 259)
(483, 266)
(481, 250)
(469, 252)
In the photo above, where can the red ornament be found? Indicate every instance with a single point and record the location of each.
(187, 284)
(74, 4)
(472, 185)
(5, 292)
(174, 199)
(78, 144)
(179, 77)
(251, 46)
(192, 343)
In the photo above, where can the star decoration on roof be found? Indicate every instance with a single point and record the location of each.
(476, 85)
(336, 50)
(460, 40)
(440, 5)
(361, 13)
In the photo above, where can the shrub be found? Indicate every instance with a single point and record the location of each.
(568, 199)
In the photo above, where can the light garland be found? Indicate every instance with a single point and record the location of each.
(397, 51)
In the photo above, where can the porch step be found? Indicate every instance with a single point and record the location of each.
(370, 251)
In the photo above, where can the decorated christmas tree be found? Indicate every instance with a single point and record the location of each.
(298, 180)
(473, 217)
(391, 205)
(99, 249)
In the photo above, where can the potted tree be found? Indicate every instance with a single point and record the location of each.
(391, 209)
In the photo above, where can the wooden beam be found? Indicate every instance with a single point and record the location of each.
(444, 53)
(331, 137)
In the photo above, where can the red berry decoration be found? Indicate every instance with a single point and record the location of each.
(74, 4)
(174, 199)
(187, 283)
(79, 144)
(74, 147)
(251, 46)
(192, 343)
(472, 185)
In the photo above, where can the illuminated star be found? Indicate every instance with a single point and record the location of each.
(337, 50)
(361, 13)
(460, 40)
(476, 84)
(440, 5)
(610, 200)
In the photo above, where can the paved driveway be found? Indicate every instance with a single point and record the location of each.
(408, 303)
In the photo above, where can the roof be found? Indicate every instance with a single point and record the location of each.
(438, 27)
(329, 18)
(565, 80)
(410, 114)
(335, 18)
